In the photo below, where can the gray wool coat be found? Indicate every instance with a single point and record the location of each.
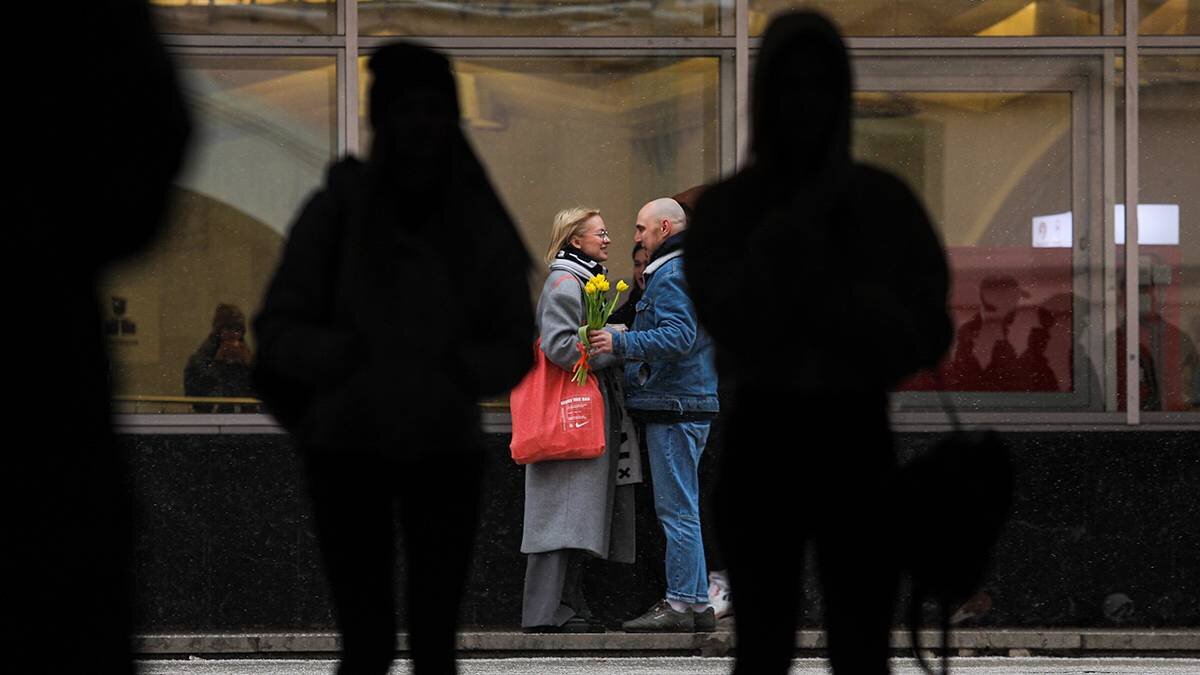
(576, 504)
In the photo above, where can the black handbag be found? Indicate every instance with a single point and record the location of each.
(955, 499)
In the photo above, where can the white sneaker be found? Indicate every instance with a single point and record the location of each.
(720, 598)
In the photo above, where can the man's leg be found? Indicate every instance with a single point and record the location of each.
(675, 451)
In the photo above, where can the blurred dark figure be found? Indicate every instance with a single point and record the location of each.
(813, 341)
(719, 593)
(98, 153)
(220, 367)
(1168, 361)
(985, 356)
(625, 313)
(1032, 366)
(401, 300)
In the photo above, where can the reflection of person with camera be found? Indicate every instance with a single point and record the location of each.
(220, 367)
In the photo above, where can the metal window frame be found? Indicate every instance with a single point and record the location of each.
(736, 47)
(1132, 132)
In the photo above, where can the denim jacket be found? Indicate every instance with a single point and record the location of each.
(669, 359)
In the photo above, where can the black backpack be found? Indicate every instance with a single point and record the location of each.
(949, 566)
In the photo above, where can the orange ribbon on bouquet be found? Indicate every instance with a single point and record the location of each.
(581, 366)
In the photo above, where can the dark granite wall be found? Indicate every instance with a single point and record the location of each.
(1105, 532)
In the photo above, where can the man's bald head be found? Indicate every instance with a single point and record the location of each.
(657, 221)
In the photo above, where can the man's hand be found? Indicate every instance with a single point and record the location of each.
(600, 342)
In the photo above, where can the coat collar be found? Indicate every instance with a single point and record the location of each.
(671, 248)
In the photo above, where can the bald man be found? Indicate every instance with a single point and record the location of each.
(671, 386)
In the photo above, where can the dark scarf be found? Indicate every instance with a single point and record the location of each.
(571, 254)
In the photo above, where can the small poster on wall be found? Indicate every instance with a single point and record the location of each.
(129, 323)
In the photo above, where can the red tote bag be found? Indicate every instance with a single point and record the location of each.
(553, 418)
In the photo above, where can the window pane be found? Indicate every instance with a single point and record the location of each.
(994, 170)
(944, 17)
(265, 131)
(1173, 17)
(1169, 232)
(287, 17)
(532, 17)
(611, 133)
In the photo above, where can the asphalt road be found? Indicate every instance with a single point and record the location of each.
(684, 666)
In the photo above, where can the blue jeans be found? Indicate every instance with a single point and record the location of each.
(674, 461)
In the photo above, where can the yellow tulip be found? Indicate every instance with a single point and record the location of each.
(622, 286)
(590, 288)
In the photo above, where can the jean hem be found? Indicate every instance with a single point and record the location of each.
(687, 598)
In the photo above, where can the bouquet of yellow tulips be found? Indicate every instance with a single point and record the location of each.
(599, 308)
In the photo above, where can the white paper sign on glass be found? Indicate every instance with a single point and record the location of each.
(1053, 231)
(1158, 224)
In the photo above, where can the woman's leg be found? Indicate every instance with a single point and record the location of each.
(572, 594)
(545, 577)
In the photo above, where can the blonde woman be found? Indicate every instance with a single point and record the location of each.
(573, 509)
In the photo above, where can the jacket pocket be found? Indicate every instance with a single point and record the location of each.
(644, 318)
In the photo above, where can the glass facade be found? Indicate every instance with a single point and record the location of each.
(265, 131)
(1009, 244)
(536, 18)
(1168, 279)
(603, 132)
(1174, 17)
(989, 18)
(275, 17)
(1009, 119)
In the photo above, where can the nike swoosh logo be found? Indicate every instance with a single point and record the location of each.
(580, 424)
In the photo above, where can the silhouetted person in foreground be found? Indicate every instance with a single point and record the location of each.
(401, 300)
(220, 366)
(96, 159)
(823, 284)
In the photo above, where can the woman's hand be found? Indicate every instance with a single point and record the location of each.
(600, 342)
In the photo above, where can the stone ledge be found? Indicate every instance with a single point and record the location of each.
(704, 644)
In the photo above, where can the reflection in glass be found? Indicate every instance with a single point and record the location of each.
(991, 18)
(537, 17)
(989, 167)
(265, 131)
(1169, 273)
(207, 17)
(609, 132)
(1172, 17)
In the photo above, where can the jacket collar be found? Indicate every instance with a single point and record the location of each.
(671, 248)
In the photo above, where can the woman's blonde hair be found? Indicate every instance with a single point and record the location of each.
(568, 223)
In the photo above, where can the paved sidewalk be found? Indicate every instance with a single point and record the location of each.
(994, 642)
(684, 666)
